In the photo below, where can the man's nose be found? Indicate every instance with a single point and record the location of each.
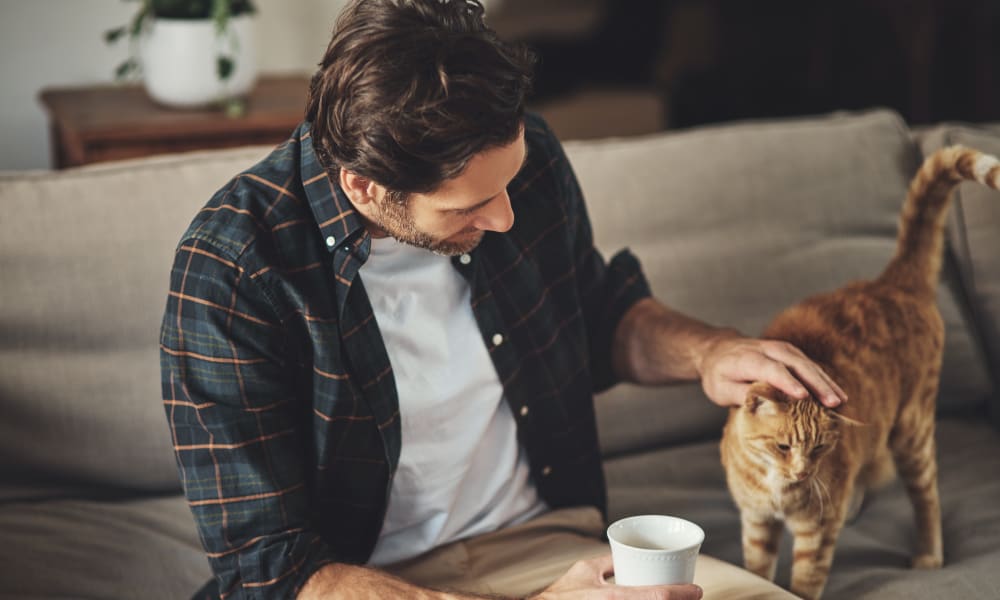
(498, 215)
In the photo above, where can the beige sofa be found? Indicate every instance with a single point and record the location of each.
(732, 223)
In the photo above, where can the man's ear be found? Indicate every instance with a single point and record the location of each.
(360, 190)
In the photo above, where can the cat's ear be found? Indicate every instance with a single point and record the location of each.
(761, 405)
(846, 420)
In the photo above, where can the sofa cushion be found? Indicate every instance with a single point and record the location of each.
(974, 227)
(873, 552)
(734, 223)
(85, 256)
(143, 548)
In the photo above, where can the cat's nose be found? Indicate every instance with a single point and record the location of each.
(801, 475)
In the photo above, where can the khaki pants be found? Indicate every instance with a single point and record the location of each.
(524, 559)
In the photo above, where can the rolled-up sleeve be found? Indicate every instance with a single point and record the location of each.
(607, 289)
(231, 406)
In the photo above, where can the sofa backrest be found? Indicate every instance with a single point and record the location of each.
(84, 260)
(734, 223)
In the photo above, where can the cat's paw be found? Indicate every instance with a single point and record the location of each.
(927, 561)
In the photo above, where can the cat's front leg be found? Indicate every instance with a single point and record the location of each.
(761, 536)
(812, 554)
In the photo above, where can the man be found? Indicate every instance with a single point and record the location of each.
(381, 343)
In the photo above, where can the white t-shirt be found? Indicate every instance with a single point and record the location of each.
(462, 471)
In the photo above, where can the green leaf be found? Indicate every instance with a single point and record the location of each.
(126, 68)
(220, 14)
(139, 19)
(113, 35)
(225, 67)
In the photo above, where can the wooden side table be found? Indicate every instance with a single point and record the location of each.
(111, 122)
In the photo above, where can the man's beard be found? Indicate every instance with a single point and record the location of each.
(395, 220)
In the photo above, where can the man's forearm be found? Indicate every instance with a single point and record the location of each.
(654, 344)
(339, 581)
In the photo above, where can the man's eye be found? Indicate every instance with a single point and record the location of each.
(463, 212)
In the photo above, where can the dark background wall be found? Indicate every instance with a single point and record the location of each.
(718, 60)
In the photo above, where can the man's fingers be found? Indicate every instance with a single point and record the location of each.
(735, 394)
(836, 388)
(588, 579)
(749, 364)
(833, 395)
(828, 392)
(728, 393)
(602, 567)
(778, 363)
(808, 373)
(685, 592)
(778, 375)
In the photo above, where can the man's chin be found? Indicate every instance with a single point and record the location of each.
(458, 247)
(453, 246)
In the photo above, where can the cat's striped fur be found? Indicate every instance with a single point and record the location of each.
(797, 463)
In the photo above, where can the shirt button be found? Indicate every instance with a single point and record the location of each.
(331, 241)
(345, 248)
(465, 259)
(546, 471)
(524, 411)
(497, 339)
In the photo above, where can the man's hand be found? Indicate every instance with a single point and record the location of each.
(731, 363)
(586, 580)
(655, 345)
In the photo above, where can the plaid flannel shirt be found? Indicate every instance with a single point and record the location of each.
(278, 388)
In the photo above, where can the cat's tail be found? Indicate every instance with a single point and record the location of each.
(917, 263)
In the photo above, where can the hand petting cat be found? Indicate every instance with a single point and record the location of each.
(732, 362)
(655, 345)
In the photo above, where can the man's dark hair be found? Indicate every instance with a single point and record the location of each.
(410, 90)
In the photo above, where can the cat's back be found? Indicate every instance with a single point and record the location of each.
(864, 314)
(873, 339)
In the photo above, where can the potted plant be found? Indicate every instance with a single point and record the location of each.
(191, 53)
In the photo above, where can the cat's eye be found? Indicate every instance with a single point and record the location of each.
(818, 448)
(784, 447)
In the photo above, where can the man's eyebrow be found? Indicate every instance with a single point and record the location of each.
(472, 208)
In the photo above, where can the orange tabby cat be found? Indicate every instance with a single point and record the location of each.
(798, 463)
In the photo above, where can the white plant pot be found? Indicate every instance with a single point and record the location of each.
(179, 60)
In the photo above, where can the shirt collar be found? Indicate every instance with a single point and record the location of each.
(340, 225)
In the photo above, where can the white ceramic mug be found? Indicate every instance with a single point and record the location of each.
(654, 549)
